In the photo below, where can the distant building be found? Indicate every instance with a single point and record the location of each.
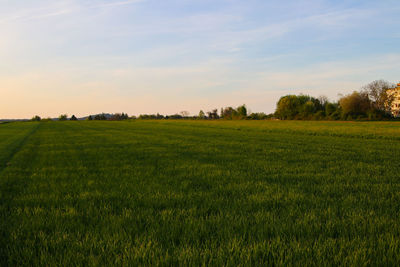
(395, 94)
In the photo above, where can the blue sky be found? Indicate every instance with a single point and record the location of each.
(147, 56)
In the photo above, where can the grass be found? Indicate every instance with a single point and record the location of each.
(200, 193)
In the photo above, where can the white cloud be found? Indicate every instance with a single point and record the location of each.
(117, 3)
(58, 8)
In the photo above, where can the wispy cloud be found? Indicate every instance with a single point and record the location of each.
(26, 14)
(328, 22)
(60, 8)
(118, 3)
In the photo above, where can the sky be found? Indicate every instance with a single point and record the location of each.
(85, 57)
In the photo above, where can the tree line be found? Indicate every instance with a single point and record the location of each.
(227, 113)
(371, 102)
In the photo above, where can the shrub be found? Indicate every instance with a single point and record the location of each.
(63, 117)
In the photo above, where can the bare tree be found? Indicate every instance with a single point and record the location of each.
(323, 100)
(377, 93)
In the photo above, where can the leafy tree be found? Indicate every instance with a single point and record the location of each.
(202, 115)
(228, 113)
(259, 116)
(336, 115)
(100, 117)
(355, 105)
(119, 117)
(154, 117)
(319, 115)
(242, 111)
(308, 109)
(36, 118)
(330, 108)
(300, 107)
(291, 106)
(287, 107)
(147, 117)
(213, 114)
(175, 117)
(73, 118)
(63, 117)
(90, 118)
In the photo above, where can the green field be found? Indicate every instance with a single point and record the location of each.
(200, 193)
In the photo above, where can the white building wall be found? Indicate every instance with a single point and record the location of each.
(395, 93)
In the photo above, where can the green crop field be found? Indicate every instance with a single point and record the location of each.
(200, 193)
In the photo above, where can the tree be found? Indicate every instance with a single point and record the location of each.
(184, 113)
(228, 113)
(259, 116)
(100, 117)
(119, 117)
(202, 115)
(287, 107)
(73, 118)
(242, 111)
(355, 105)
(36, 118)
(291, 106)
(156, 117)
(300, 107)
(377, 93)
(213, 114)
(330, 108)
(175, 117)
(47, 119)
(63, 117)
(308, 109)
(323, 100)
(90, 118)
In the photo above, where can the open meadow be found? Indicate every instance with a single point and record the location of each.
(199, 193)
